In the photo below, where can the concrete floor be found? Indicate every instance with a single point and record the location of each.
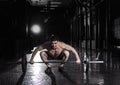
(98, 74)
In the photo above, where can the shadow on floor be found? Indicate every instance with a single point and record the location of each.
(49, 72)
(20, 80)
(65, 74)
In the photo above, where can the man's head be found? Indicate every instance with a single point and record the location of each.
(53, 38)
(53, 41)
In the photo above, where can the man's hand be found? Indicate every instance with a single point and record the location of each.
(31, 62)
(78, 61)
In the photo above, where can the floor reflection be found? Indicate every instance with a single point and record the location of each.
(37, 74)
(20, 80)
(65, 74)
(49, 72)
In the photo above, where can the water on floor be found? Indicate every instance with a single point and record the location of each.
(73, 74)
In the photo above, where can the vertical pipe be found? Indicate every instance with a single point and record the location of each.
(108, 22)
(107, 30)
(71, 33)
(80, 30)
(97, 39)
(90, 37)
(77, 30)
(98, 32)
(86, 29)
(106, 36)
(74, 37)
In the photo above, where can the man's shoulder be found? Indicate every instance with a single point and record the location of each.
(61, 42)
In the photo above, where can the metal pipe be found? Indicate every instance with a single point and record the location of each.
(107, 30)
(86, 29)
(80, 29)
(90, 27)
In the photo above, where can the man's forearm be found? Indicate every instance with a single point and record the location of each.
(75, 53)
(77, 56)
(33, 55)
(78, 61)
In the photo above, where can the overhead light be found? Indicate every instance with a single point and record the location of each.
(35, 29)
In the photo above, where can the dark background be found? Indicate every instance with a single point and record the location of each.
(15, 15)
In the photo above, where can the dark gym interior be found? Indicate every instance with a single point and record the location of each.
(90, 26)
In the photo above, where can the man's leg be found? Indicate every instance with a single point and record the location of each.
(65, 57)
(44, 57)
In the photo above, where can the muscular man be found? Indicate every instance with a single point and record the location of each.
(55, 50)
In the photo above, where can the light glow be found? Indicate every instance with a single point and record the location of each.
(36, 29)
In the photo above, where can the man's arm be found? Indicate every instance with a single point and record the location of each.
(70, 48)
(34, 53)
(39, 48)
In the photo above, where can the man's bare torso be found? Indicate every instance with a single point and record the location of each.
(54, 52)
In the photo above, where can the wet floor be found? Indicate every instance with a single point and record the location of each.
(73, 74)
